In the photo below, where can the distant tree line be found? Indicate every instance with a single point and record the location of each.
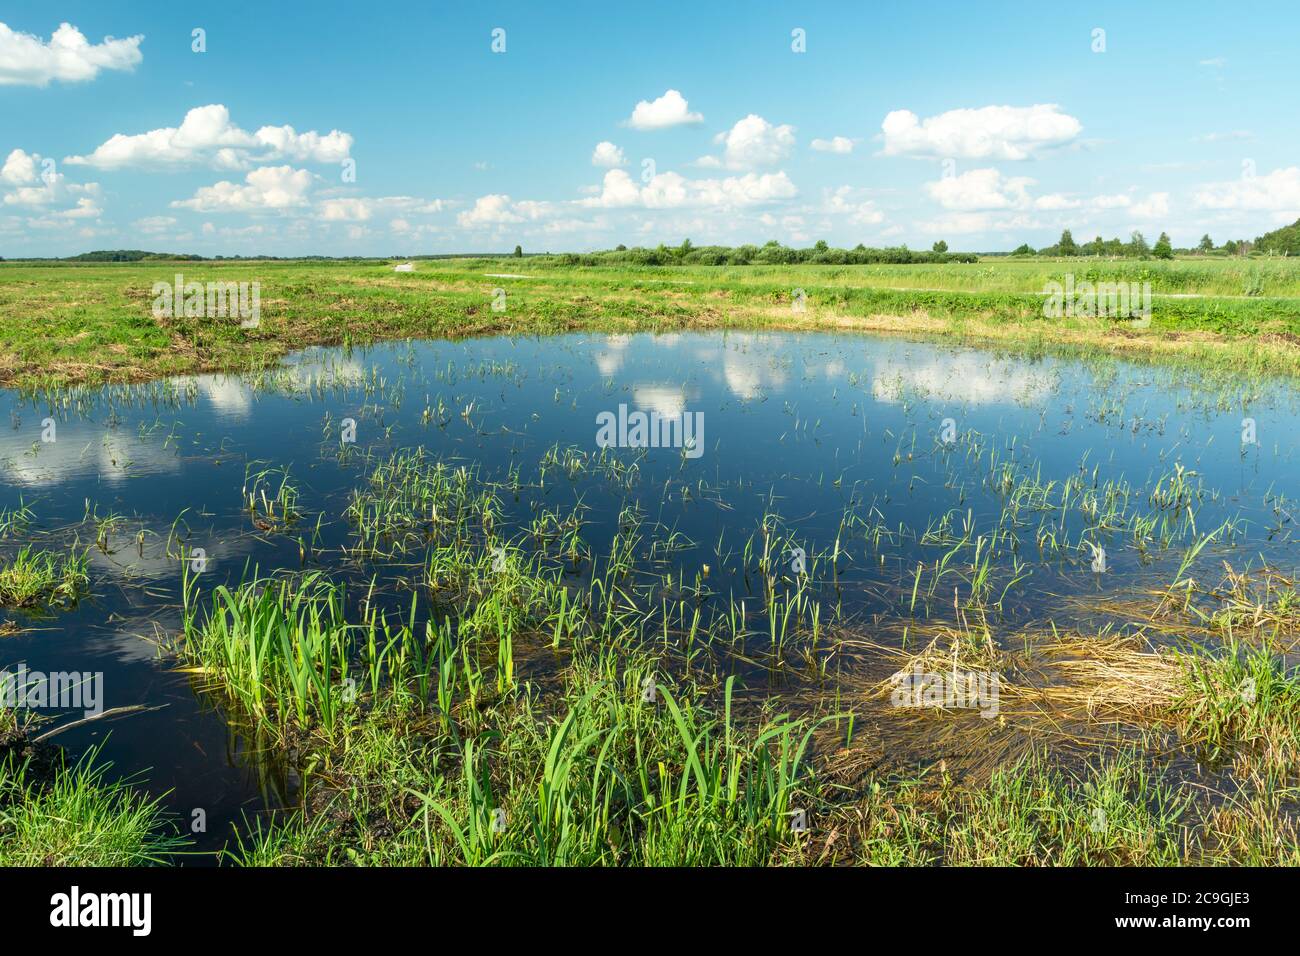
(1284, 241)
(129, 255)
(772, 253)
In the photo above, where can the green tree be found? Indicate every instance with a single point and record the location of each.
(1024, 249)
(1067, 246)
(519, 252)
(1137, 245)
(1206, 244)
(1164, 248)
(940, 246)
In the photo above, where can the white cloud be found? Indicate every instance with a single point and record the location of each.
(86, 208)
(154, 225)
(27, 60)
(671, 109)
(607, 154)
(37, 184)
(1054, 202)
(346, 210)
(1153, 207)
(20, 168)
(491, 210)
(836, 144)
(671, 191)
(1279, 191)
(754, 142)
(207, 135)
(844, 202)
(618, 190)
(361, 208)
(980, 189)
(268, 187)
(998, 132)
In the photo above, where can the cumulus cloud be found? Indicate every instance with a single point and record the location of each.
(980, 189)
(36, 183)
(265, 188)
(86, 208)
(1278, 191)
(1153, 207)
(27, 60)
(20, 168)
(207, 136)
(672, 191)
(996, 132)
(362, 208)
(836, 144)
(845, 201)
(491, 210)
(154, 225)
(607, 154)
(754, 142)
(671, 109)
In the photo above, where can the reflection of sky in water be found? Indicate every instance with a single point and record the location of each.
(966, 379)
(804, 425)
(81, 450)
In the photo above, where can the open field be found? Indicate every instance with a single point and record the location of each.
(65, 324)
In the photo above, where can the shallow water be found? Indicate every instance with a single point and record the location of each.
(840, 436)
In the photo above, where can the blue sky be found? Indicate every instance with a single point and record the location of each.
(986, 125)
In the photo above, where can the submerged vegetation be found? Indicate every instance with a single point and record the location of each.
(30, 578)
(453, 641)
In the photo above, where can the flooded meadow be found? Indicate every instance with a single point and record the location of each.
(880, 563)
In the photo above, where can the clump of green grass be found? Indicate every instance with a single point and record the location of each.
(279, 648)
(1113, 812)
(79, 818)
(32, 578)
(410, 500)
(624, 771)
(1244, 704)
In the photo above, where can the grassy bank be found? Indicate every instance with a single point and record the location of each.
(66, 324)
(57, 811)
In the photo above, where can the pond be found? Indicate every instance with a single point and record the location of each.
(871, 482)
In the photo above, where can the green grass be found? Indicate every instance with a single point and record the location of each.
(1114, 811)
(1242, 703)
(606, 777)
(31, 578)
(90, 323)
(79, 818)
